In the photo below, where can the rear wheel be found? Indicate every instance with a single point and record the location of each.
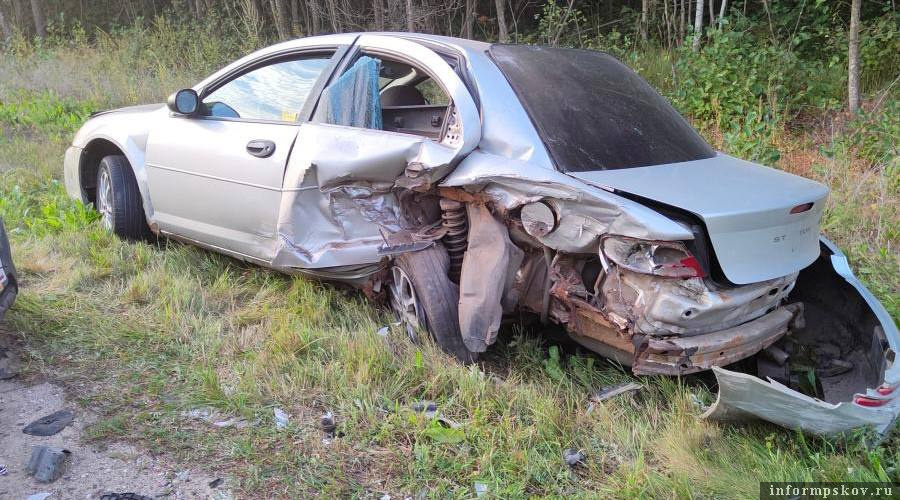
(424, 299)
(119, 199)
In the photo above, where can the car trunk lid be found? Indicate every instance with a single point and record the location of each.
(758, 219)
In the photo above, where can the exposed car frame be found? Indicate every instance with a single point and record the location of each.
(668, 268)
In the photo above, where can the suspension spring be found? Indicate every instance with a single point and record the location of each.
(453, 215)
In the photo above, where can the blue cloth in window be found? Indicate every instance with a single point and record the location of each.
(353, 100)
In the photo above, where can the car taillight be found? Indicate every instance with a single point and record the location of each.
(885, 389)
(661, 258)
(869, 402)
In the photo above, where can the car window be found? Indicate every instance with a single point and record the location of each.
(433, 92)
(274, 92)
(593, 112)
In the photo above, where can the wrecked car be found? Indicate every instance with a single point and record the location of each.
(9, 286)
(464, 182)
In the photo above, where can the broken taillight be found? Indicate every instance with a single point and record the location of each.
(661, 258)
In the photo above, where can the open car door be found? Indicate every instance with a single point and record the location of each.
(349, 170)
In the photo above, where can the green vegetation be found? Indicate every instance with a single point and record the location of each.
(143, 333)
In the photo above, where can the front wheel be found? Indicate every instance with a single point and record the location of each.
(425, 299)
(119, 199)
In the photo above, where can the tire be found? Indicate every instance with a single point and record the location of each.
(436, 298)
(119, 200)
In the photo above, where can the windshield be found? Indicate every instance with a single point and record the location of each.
(593, 112)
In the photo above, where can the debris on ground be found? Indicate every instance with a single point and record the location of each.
(573, 457)
(605, 393)
(39, 496)
(9, 364)
(124, 496)
(50, 424)
(429, 408)
(384, 331)
(481, 489)
(328, 424)
(3, 470)
(215, 483)
(216, 419)
(281, 418)
(46, 463)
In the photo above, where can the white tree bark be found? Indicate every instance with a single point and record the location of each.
(469, 19)
(698, 26)
(645, 13)
(722, 11)
(5, 28)
(853, 57)
(410, 22)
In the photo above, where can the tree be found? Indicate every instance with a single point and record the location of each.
(469, 19)
(645, 11)
(698, 26)
(5, 28)
(853, 57)
(410, 22)
(378, 7)
(40, 22)
(501, 20)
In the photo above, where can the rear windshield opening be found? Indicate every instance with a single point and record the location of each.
(593, 112)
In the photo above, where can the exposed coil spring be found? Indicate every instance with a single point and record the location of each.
(454, 220)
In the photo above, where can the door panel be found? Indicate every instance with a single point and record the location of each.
(206, 185)
(217, 178)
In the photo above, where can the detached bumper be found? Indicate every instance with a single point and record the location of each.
(9, 285)
(845, 313)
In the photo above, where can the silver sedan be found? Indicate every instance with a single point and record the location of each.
(464, 182)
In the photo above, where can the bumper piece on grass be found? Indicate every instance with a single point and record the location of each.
(845, 323)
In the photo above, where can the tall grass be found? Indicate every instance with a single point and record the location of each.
(145, 332)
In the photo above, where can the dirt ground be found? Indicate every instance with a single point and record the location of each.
(91, 471)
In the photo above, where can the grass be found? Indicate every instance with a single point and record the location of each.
(143, 333)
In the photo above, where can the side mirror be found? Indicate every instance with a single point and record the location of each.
(184, 102)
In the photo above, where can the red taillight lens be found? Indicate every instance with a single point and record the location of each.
(885, 390)
(869, 402)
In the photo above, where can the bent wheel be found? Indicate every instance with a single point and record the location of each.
(424, 299)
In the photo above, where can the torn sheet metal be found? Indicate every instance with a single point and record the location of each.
(488, 269)
(585, 212)
(745, 397)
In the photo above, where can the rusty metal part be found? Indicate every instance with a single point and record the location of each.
(455, 222)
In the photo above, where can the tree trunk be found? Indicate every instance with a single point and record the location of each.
(40, 22)
(314, 17)
(332, 13)
(712, 13)
(282, 22)
(722, 11)
(296, 30)
(410, 22)
(698, 26)
(378, 7)
(645, 12)
(5, 28)
(469, 19)
(853, 58)
(501, 20)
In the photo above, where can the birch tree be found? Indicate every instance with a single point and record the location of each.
(501, 20)
(853, 57)
(40, 22)
(698, 26)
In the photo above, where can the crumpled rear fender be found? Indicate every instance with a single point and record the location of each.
(842, 303)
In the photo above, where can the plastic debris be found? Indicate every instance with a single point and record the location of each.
(46, 463)
(573, 457)
(281, 418)
(215, 483)
(124, 496)
(481, 489)
(429, 408)
(50, 424)
(328, 424)
(384, 331)
(3, 470)
(612, 391)
(39, 496)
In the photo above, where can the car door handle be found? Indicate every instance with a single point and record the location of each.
(261, 148)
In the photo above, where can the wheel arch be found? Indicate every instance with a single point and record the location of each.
(98, 148)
